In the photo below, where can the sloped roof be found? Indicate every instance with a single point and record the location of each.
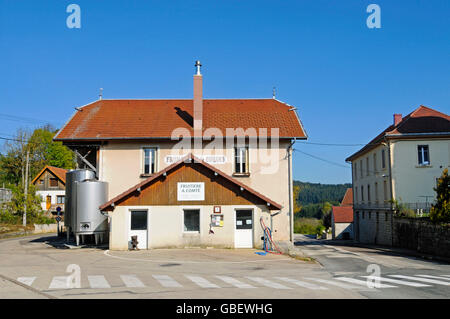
(423, 120)
(343, 214)
(60, 173)
(348, 198)
(108, 206)
(135, 119)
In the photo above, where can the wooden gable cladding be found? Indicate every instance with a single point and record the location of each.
(218, 190)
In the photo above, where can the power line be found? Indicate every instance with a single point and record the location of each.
(322, 159)
(23, 119)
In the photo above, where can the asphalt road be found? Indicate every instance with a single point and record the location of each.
(411, 277)
(40, 267)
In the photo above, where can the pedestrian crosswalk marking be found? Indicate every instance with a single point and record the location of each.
(333, 283)
(132, 281)
(59, 282)
(363, 282)
(202, 282)
(302, 283)
(396, 281)
(26, 280)
(431, 281)
(235, 282)
(434, 277)
(98, 282)
(268, 283)
(167, 281)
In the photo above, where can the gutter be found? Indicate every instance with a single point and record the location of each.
(291, 200)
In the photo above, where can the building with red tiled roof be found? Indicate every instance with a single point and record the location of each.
(401, 164)
(342, 217)
(50, 184)
(241, 170)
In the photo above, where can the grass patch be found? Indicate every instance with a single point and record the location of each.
(308, 226)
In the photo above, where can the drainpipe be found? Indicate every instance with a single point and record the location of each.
(291, 200)
(391, 190)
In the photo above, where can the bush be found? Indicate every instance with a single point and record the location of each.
(308, 226)
(440, 212)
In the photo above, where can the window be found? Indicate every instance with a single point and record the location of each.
(241, 160)
(375, 162)
(362, 193)
(244, 219)
(367, 166)
(424, 157)
(370, 213)
(368, 193)
(41, 181)
(385, 190)
(383, 159)
(356, 194)
(191, 220)
(356, 171)
(60, 199)
(360, 168)
(376, 192)
(53, 182)
(149, 161)
(138, 220)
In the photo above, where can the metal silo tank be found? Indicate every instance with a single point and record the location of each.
(91, 194)
(72, 176)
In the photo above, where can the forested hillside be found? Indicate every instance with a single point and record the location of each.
(315, 199)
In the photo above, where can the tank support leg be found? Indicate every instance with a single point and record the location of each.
(77, 239)
(96, 239)
(68, 233)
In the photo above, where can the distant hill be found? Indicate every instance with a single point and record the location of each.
(313, 199)
(316, 193)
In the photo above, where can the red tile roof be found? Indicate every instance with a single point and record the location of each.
(343, 214)
(58, 172)
(108, 206)
(134, 119)
(423, 120)
(348, 198)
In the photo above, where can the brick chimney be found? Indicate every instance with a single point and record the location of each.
(198, 99)
(397, 119)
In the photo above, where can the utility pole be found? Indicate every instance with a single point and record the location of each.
(26, 190)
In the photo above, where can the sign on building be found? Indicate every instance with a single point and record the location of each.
(190, 191)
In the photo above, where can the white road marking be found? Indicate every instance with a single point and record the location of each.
(362, 282)
(400, 282)
(202, 282)
(98, 282)
(132, 281)
(431, 281)
(434, 277)
(26, 280)
(334, 283)
(301, 283)
(235, 282)
(166, 281)
(59, 282)
(268, 283)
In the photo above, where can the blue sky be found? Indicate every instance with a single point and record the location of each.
(345, 79)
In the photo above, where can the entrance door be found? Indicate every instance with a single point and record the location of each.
(48, 203)
(243, 234)
(138, 227)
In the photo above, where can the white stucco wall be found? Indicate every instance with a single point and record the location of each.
(165, 227)
(51, 193)
(412, 181)
(121, 165)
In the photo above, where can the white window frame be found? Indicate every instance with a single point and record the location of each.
(247, 158)
(156, 148)
(421, 154)
(200, 215)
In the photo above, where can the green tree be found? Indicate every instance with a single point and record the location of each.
(326, 214)
(43, 151)
(440, 212)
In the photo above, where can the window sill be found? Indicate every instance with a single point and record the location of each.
(424, 166)
(146, 175)
(191, 233)
(241, 174)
